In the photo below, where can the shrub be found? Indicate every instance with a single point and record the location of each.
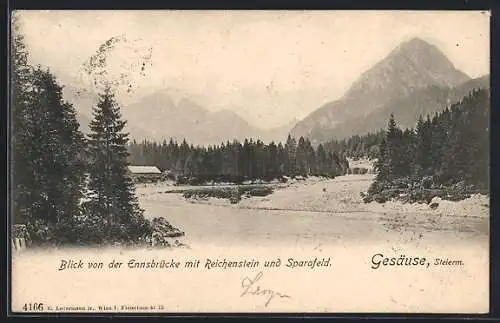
(427, 182)
(357, 170)
(377, 187)
(233, 194)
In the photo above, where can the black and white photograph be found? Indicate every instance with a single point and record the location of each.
(204, 161)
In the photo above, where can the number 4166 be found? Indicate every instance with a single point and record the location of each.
(30, 307)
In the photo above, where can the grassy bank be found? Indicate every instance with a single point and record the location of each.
(233, 194)
(423, 192)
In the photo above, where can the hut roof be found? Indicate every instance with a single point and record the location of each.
(144, 170)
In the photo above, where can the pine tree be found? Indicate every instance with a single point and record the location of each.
(407, 154)
(113, 203)
(394, 149)
(422, 147)
(47, 151)
(321, 160)
(282, 159)
(465, 151)
(301, 157)
(291, 149)
(382, 164)
(59, 147)
(20, 73)
(479, 171)
(271, 162)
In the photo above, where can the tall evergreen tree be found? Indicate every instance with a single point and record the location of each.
(291, 149)
(47, 151)
(466, 148)
(382, 164)
(59, 147)
(300, 157)
(19, 136)
(113, 203)
(321, 160)
(422, 147)
(394, 151)
(407, 153)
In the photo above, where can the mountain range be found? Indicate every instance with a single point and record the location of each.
(156, 116)
(414, 79)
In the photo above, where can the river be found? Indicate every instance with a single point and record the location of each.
(326, 211)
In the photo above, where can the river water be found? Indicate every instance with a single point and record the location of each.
(322, 212)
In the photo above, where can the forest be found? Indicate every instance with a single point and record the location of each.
(235, 162)
(358, 146)
(445, 155)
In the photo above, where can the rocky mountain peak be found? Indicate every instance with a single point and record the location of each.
(412, 66)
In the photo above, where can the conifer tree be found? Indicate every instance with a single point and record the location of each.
(47, 151)
(321, 160)
(301, 157)
(392, 142)
(466, 153)
(19, 134)
(113, 203)
(59, 145)
(282, 159)
(422, 147)
(272, 161)
(291, 149)
(382, 164)
(407, 153)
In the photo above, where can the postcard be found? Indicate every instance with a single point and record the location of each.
(170, 161)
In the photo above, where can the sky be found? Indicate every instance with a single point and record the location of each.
(268, 66)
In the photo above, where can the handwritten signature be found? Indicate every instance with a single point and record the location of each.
(251, 288)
